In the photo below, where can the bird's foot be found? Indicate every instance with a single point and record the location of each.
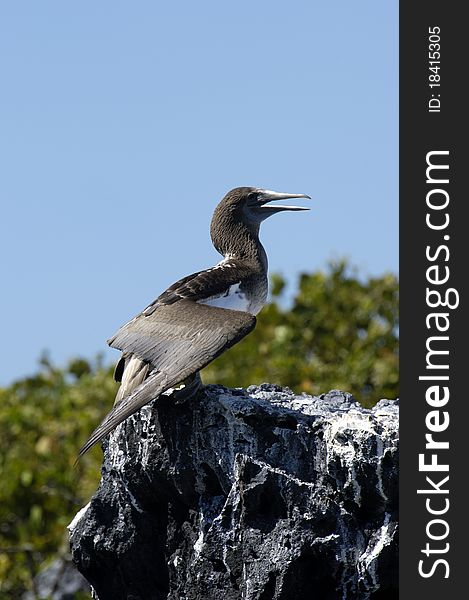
(188, 389)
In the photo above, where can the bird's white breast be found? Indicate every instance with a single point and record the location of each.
(234, 299)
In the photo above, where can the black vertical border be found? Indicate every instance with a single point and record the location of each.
(420, 132)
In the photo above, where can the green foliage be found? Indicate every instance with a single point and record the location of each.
(340, 332)
(43, 421)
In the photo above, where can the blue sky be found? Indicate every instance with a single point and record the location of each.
(122, 124)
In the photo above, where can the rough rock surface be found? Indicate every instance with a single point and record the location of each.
(256, 494)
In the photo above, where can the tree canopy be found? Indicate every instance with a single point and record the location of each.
(339, 331)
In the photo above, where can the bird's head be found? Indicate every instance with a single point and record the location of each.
(242, 211)
(251, 205)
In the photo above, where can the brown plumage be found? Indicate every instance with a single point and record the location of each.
(201, 315)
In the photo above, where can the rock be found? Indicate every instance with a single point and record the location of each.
(257, 494)
(59, 581)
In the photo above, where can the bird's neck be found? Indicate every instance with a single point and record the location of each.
(237, 240)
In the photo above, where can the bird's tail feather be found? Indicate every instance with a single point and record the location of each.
(135, 372)
(151, 388)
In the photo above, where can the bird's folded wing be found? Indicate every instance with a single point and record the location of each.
(177, 340)
(195, 287)
(182, 337)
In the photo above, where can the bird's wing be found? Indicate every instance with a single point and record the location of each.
(176, 340)
(195, 286)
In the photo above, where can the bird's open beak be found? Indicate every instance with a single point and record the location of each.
(265, 196)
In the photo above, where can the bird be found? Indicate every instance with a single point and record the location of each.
(201, 315)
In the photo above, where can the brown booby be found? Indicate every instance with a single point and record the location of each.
(201, 315)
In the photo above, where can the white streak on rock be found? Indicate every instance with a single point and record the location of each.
(77, 518)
